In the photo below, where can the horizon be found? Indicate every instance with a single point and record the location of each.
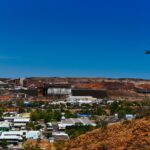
(81, 38)
(77, 77)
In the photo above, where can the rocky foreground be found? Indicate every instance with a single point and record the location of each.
(134, 135)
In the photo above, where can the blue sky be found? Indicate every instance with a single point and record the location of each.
(98, 38)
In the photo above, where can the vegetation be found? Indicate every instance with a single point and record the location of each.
(59, 145)
(77, 130)
(128, 135)
(92, 110)
(30, 146)
(4, 143)
(46, 115)
(33, 126)
(122, 108)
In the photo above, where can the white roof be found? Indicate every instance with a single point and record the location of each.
(19, 124)
(1, 82)
(21, 120)
(14, 132)
(49, 124)
(13, 137)
(59, 133)
(82, 97)
(9, 118)
(20, 133)
(85, 101)
(4, 124)
(73, 121)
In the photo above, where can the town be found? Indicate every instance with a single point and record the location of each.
(48, 113)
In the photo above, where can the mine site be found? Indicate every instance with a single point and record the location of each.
(55, 113)
(74, 75)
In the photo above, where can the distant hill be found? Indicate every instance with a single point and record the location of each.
(134, 135)
(121, 88)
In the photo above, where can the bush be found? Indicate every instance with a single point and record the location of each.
(4, 143)
(30, 146)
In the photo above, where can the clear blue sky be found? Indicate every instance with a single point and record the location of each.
(101, 38)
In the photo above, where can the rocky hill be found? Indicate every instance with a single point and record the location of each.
(134, 135)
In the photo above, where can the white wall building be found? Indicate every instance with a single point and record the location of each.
(20, 135)
(81, 99)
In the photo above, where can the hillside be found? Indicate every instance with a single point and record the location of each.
(134, 135)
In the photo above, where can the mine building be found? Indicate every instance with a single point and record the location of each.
(57, 89)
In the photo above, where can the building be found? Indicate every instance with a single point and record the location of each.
(49, 126)
(3, 85)
(20, 122)
(81, 99)
(33, 135)
(100, 94)
(20, 82)
(9, 118)
(73, 121)
(13, 137)
(57, 89)
(60, 136)
(5, 126)
(130, 116)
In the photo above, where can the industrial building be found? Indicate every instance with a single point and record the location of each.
(81, 99)
(13, 137)
(57, 89)
(73, 121)
(90, 92)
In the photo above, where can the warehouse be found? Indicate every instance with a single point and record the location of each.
(81, 99)
(90, 92)
(73, 121)
(57, 89)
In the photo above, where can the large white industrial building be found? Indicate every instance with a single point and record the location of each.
(81, 99)
(58, 89)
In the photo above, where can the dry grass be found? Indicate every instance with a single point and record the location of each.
(133, 135)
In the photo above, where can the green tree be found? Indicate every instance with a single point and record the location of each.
(114, 107)
(35, 116)
(4, 143)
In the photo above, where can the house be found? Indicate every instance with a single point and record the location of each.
(20, 122)
(9, 118)
(60, 136)
(11, 139)
(5, 126)
(33, 135)
(129, 116)
(18, 136)
(3, 85)
(49, 126)
(51, 139)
